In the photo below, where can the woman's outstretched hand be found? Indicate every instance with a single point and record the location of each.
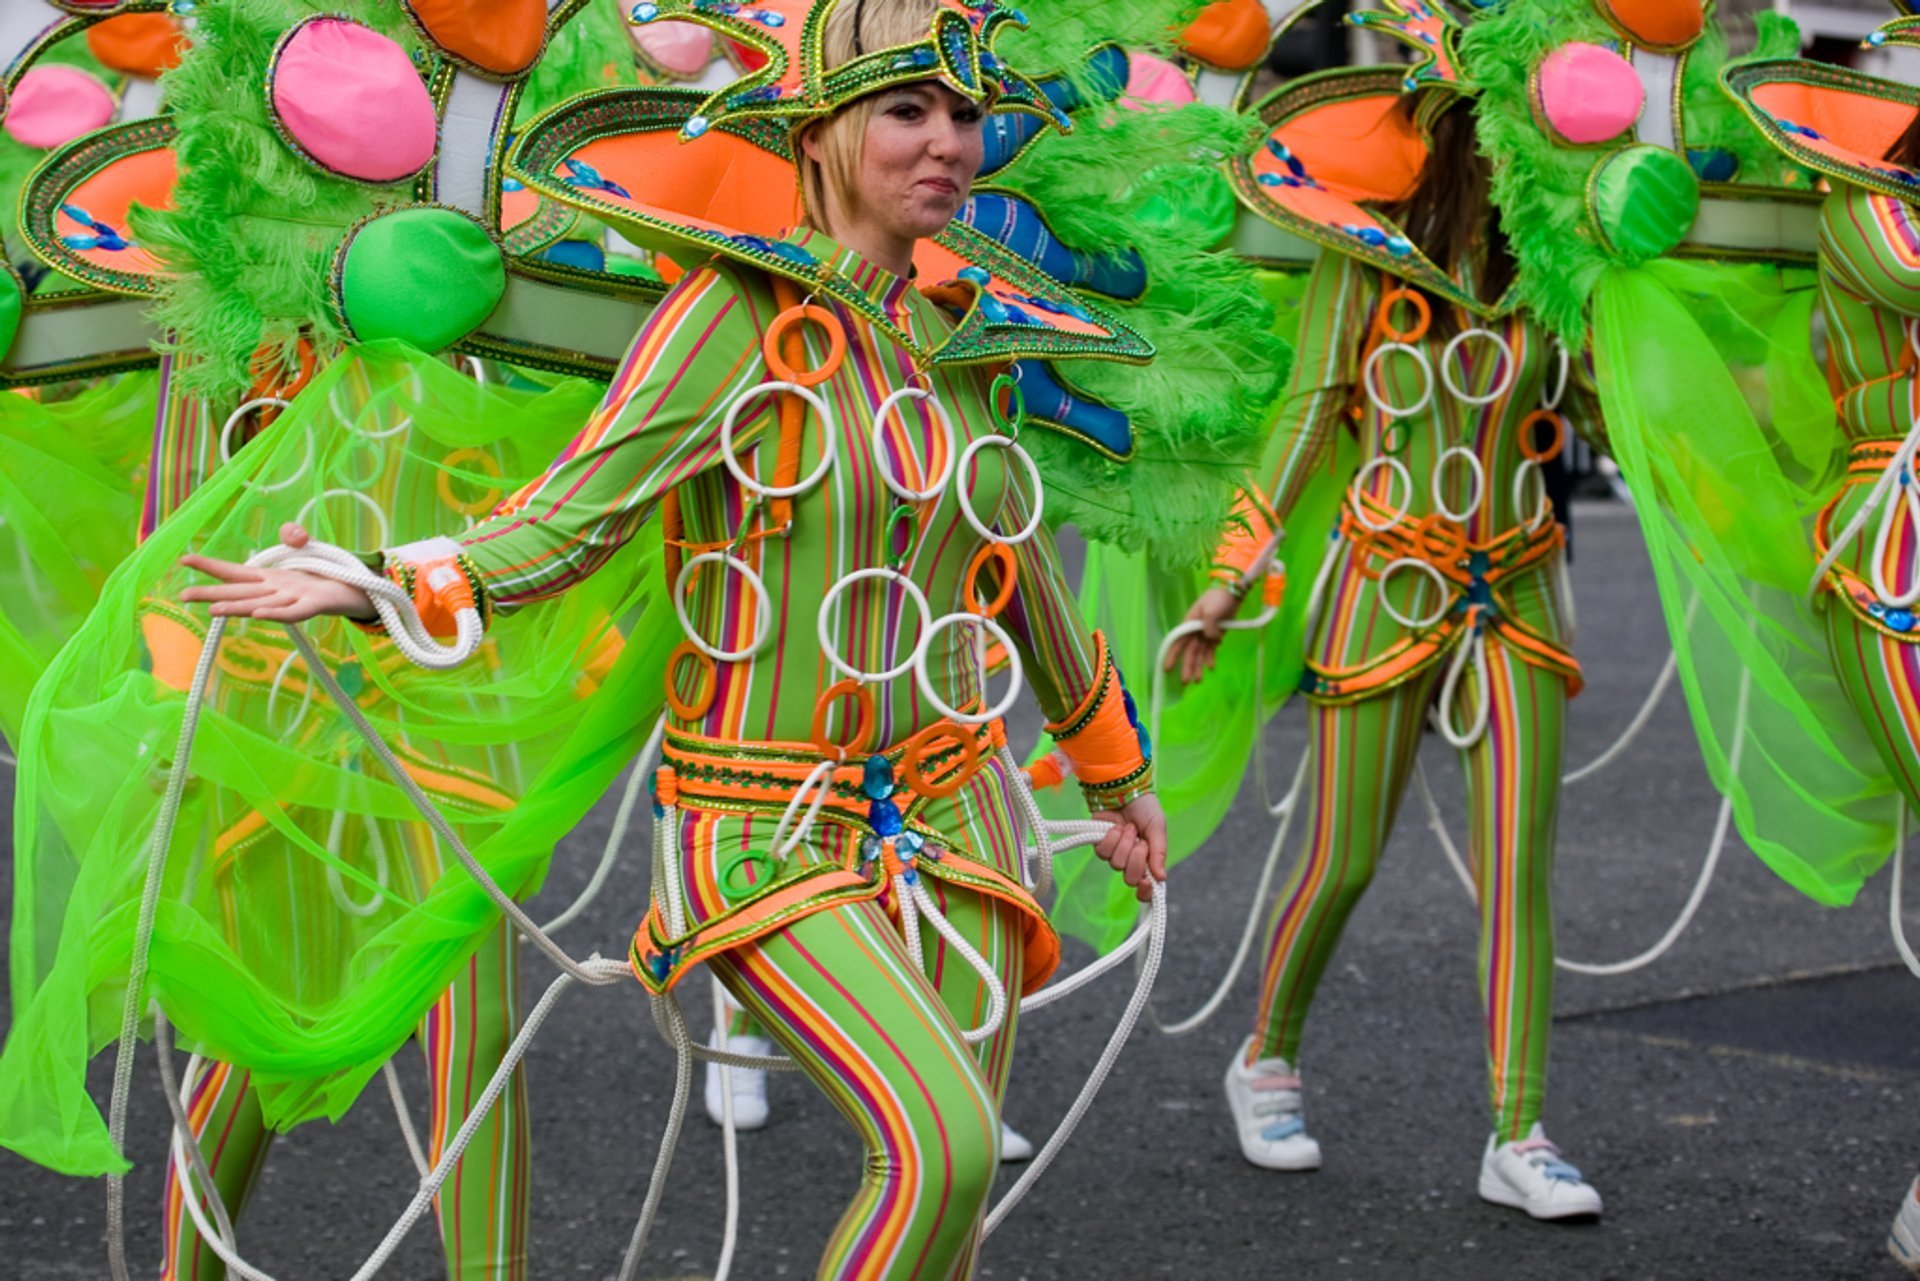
(1192, 656)
(1136, 844)
(278, 595)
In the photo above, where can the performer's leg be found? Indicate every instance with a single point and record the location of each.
(1882, 678)
(737, 1031)
(1361, 757)
(483, 1204)
(1513, 799)
(839, 993)
(224, 1114)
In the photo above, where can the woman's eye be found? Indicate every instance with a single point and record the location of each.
(967, 117)
(905, 111)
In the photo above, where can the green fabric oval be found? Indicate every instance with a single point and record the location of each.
(13, 299)
(426, 276)
(1642, 199)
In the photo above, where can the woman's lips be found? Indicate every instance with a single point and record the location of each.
(944, 186)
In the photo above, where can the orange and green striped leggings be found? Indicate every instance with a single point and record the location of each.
(1362, 755)
(879, 1033)
(482, 1207)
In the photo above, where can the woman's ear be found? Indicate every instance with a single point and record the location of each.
(810, 142)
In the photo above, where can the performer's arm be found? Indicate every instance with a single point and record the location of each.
(1871, 243)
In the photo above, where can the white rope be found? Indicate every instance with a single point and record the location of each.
(1894, 894)
(729, 1151)
(1472, 648)
(1894, 483)
(1255, 909)
(623, 817)
(1632, 731)
(404, 1115)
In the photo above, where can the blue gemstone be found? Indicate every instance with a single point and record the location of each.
(1877, 39)
(884, 817)
(978, 275)
(1901, 620)
(1399, 246)
(1372, 236)
(694, 127)
(644, 13)
(1273, 180)
(769, 18)
(910, 844)
(876, 778)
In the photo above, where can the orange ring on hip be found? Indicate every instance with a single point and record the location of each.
(918, 747)
(1383, 319)
(443, 482)
(1552, 451)
(696, 707)
(1452, 538)
(1009, 579)
(777, 331)
(862, 695)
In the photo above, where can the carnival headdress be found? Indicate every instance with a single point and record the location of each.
(796, 85)
(1903, 30)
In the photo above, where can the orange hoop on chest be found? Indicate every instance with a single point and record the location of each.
(705, 684)
(929, 740)
(862, 695)
(1383, 319)
(1009, 579)
(1558, 443)
(777, 332)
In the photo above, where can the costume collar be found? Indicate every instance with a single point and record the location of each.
(1832, 120)
(733, 191)
(880, 287)
(1338, 142)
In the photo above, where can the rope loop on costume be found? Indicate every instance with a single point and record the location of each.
(1470, 650)
(1357, 492)
(1894, 489)
(1477, 470)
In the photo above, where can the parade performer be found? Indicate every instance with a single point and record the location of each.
(1445, 588)
(768, 495)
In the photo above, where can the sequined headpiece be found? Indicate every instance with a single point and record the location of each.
(1431, 30)
(1903, 30)
(795, 84)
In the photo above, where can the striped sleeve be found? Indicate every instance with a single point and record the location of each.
(1056, 646)
(1871, 243)
(658, 426)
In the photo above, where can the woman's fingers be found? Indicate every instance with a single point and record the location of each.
(227, 571)
(293, 534)
(225, 591)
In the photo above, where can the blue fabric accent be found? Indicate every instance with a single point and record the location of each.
(1008, 131)
(1285, 1128)
(576, 253)
(1017, 225)
(1087, 419)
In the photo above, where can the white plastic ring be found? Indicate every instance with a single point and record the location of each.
(1508, 371)
(1912, 324)
(337, 883)
(273, 695)
(824, 619)
(352, 421)
(1475, 468)
(763, 614)
(226, 443)
(1015, 675)
(1543, 510)
(901, 491)
(374, 509)
(1033, 474)
(1563, 371)
(477, 368)
(732, 461)
(1386, 598)
(1367, 380)
(1359, 488)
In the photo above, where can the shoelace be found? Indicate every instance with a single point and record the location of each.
(1543, 1156)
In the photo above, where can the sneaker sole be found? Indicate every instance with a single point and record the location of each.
(1903, 1247)
(1496, 1191)
(1296, 1165)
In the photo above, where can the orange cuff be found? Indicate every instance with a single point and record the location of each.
(441, 580)
(1249, 533)
(1104, 741)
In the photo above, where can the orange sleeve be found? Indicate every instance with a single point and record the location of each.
(1104, 741)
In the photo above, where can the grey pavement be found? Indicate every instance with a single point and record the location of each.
(1746, 1104)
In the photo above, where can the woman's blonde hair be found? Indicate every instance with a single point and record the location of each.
(854, 29)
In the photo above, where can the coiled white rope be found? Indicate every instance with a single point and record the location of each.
(1895, 487)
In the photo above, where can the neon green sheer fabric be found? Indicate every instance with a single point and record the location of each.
(70, 481)
(307, 918)
(1722, 424)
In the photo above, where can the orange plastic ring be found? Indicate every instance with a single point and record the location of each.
(443, 482)
(1009, 579)
(703, 692)
(1552, 451)
(1383, 319)
(1453, 538)
(862, 695)
(836, 345)
(923, 743)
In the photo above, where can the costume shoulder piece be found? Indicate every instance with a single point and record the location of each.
(1835, 121)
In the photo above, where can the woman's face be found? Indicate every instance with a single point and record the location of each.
(922, 148)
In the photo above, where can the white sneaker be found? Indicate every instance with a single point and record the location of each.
(1014, 1146)
(1529, 1175)
(1903, 1241)
(1265, 1100)
(749, 1086)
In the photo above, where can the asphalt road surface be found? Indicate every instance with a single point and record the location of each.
(1746, 1104)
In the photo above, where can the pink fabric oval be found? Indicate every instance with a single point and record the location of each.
(54, 104)
(1153, 79)
(683, 48)
(350, 98)
(1589, 93)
